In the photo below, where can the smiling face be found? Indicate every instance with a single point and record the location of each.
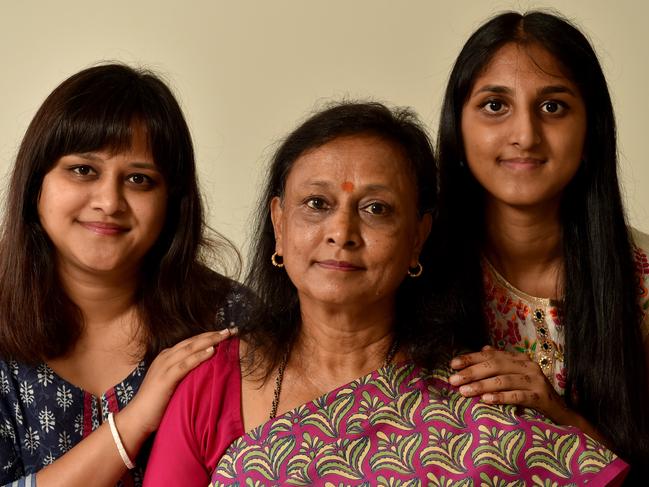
(347, 225)
(524, 126)
(103, 211)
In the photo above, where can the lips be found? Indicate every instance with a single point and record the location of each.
(522, 163)
(339, 265)
(102, 228)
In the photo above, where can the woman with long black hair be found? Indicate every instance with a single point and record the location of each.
(538, 258)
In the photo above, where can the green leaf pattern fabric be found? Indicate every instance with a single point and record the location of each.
(402, 426)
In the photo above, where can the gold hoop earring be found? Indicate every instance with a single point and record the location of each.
(416, 271)
(274, 259)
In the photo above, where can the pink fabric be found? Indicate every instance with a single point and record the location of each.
(201, 421)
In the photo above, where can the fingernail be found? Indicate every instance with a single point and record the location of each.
(488, 397)
(456, 362)
(465, 390)
(455, 379)
(209, 349)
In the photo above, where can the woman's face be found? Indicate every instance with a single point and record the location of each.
(347, 225)
(524, 126)
(104, 211)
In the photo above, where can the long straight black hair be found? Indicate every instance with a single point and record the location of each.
(607, 379)
(178, 295)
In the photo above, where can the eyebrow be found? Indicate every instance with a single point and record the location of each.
(92, 156)
(546, 90)
(366, 187)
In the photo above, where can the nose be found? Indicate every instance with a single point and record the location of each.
(108, 197)
(525, 131)
(343, 229)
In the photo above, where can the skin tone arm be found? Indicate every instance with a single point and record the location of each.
(135, 422)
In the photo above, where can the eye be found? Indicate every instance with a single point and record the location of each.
(553, 107)
(316, 203)
(82, 170)
(376, 208)
(493, 107)
(141, 180)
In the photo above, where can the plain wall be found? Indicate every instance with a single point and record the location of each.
(246, 72)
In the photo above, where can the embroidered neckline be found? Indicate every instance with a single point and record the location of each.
(538, 302)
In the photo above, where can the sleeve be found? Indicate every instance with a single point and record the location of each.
(199, 423)
(11, 465)
(28, 481)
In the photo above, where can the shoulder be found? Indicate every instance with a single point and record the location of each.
(236, 307)
(214, 376)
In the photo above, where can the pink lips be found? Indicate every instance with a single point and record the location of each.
(338, 265)
(101, 228)
(522, 163)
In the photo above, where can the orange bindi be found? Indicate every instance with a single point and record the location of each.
(347, 186)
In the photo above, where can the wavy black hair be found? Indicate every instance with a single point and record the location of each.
(603, 347)
(98, 109)
(275, 323)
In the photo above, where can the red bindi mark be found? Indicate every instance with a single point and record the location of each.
(347, 186)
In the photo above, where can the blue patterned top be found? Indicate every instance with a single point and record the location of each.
(42, 415)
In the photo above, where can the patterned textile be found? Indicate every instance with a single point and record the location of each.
(42, 415)
(400, 426)
(522, 323)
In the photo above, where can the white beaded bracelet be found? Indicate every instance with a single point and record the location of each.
(118, 442)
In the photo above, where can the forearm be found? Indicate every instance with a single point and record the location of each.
(96, 460)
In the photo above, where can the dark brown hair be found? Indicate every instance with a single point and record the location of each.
(178, 294)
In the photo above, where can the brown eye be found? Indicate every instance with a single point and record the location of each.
(82, 170)
(140, 180)
(316, 204)
(376, 208)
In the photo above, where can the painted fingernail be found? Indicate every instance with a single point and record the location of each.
(466, 390)
(456, 362)
(209, 349)
(455, 379)
(488, 397)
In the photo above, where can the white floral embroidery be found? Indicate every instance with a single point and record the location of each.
(26, 393)
(32, 440)
(48, 460)
(124, 393)
(78, 424)
(45, 375)
(65, 442)
(47, 420)
(7, 430)
(13, 365)
(18, 414)
(4, 383)
(63, 397)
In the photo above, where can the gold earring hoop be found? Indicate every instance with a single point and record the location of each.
(277, 260)
(416, 271)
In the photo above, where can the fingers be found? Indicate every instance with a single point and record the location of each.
(499, 363)
(177, 361)
(508, 382)
(487, 353)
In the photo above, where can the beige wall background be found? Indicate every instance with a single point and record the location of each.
(247, 71)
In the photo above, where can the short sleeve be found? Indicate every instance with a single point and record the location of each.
(201, 420)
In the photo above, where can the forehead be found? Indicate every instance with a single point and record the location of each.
(356, 158)
(521, 65)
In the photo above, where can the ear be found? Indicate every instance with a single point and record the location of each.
(423, 231)
(276, 213)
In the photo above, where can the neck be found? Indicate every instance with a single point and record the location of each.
(102, 298)
(337, 346)
(525, 245)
